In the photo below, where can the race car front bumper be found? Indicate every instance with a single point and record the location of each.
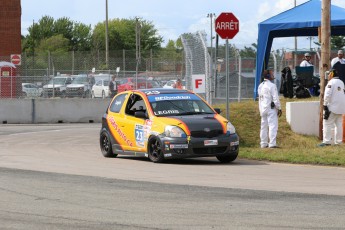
(223, 145)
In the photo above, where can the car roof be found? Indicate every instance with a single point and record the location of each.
(165, 91)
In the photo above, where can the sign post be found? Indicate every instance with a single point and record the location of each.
(227, 26)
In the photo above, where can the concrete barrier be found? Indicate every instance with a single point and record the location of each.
(69, 110)
(303, 117)
(16, 111)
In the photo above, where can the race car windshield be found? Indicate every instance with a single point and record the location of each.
(175, 105)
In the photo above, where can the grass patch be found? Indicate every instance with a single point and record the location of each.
(295, 148)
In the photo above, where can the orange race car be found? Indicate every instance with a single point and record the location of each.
(166, 124)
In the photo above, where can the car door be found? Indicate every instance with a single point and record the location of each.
(130, 130)
(97, 88)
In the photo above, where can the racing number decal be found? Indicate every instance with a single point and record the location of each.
(139, 135)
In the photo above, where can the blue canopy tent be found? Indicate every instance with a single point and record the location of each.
(302, 20)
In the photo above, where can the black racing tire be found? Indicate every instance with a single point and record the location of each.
(105, 145)
(227, 158)
(155, 150)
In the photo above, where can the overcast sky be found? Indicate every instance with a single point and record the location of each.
(171, 18)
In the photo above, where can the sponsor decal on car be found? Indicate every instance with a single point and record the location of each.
(210, 142)
(172, 97)
(178, 146)
(139, 135)
(166, 112)
(119, 131)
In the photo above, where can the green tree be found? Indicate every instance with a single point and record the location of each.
(248, 52)
(54, 44)
(179, 44)
(122, 35)
(337, 42)
(170, 45)
(81, 37)
(77, 34)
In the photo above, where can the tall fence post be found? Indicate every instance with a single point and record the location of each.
(124, 61)
(239, 75)
(207, 69)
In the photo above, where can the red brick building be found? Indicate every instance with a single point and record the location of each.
(10, 28)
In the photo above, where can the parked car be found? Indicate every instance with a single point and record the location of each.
(31, 90)
(129, 84)
(80, 86)
(170, 84)
(166, 124)
(100, 89)
(57, 86)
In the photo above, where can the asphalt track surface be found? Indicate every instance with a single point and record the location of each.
(54, 177)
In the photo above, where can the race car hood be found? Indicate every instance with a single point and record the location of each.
(198, 123)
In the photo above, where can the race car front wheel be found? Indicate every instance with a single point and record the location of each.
(155, 150)
(105, 144)
(227, 159)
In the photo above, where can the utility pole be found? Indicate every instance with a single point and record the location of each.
(137, 49)
(295, 55)
(33, 46)
(325, 54)
(211, 15)
(106, 35)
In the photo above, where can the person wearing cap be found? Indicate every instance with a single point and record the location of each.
(339, 58)
(333, 108)
(306, 61)
(269, 106)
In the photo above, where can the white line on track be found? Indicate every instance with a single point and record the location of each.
(25, 133)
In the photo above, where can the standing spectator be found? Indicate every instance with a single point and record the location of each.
(339, 58)
(334, 107)
(269, 106)
(178, 84)
(306, 61)
(113, 86)
(287, 82)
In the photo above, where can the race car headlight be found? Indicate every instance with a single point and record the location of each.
(174, 131)
(230, 129)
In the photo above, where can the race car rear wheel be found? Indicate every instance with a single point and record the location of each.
(227, 159)
(155, 150)
(105, 144)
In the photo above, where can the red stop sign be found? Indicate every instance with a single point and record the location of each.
(16, 59)
(227, 25)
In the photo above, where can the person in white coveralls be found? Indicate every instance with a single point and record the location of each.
(270, 109)
(334, 107)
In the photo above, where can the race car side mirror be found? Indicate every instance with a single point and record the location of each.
(140, 114)
(217, 110)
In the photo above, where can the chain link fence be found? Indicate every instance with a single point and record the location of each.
(75, 74)
(199, 61)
